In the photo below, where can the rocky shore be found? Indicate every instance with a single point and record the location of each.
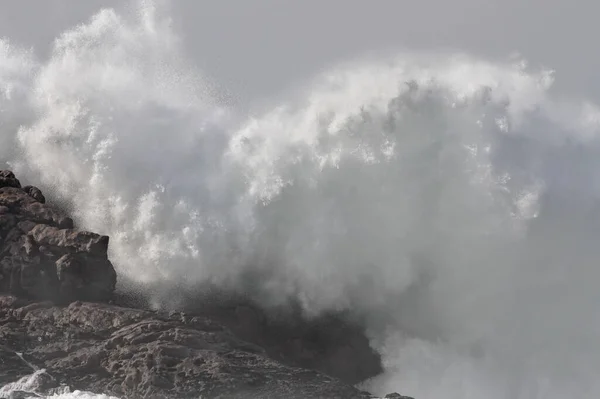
(61, 320)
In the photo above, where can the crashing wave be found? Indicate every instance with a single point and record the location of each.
(449, 200)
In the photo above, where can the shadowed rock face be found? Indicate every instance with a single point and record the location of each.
(334, 344)
(134, 353)
(329, 343)
(42, 256)
(58, 313)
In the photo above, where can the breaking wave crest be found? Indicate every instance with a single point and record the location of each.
(451, 201)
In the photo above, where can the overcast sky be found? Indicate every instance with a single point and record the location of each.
(257, 47)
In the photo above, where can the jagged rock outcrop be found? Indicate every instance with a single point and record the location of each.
(8, 179)
(58, 313)
(134, 353)
(41, 254)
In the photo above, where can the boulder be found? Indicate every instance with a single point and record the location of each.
(35, 193)
(8, 179)
(42, 256)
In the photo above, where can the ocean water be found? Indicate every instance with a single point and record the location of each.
(451, 200)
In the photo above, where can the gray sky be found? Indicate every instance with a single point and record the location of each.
(257, 47)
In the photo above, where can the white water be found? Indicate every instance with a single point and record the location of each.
(451, 199)
(34, 385)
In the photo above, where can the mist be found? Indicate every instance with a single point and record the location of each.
(397, 161)
(235, 44)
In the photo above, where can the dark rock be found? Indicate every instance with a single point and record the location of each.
(329, 343)
(218, 349)
(396, 395)
(140, 354)
(8, 179)
(42, 256)
(69, 240)
(21, 204)
(35, 193)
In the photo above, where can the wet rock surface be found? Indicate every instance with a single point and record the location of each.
(58, 313)
(42, 255)
(135, 353)
(328, 343)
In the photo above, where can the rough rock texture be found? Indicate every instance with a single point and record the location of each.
(58, 313)
(42, 256)
(8, 179)
(328, 343)
(134, 353)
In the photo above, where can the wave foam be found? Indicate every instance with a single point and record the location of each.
(450, 200)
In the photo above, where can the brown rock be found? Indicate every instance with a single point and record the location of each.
(330, 343)
(69, 240)
(140, 354)
(228, 349)
(8, 179)
(35, 193)
(42, 256)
